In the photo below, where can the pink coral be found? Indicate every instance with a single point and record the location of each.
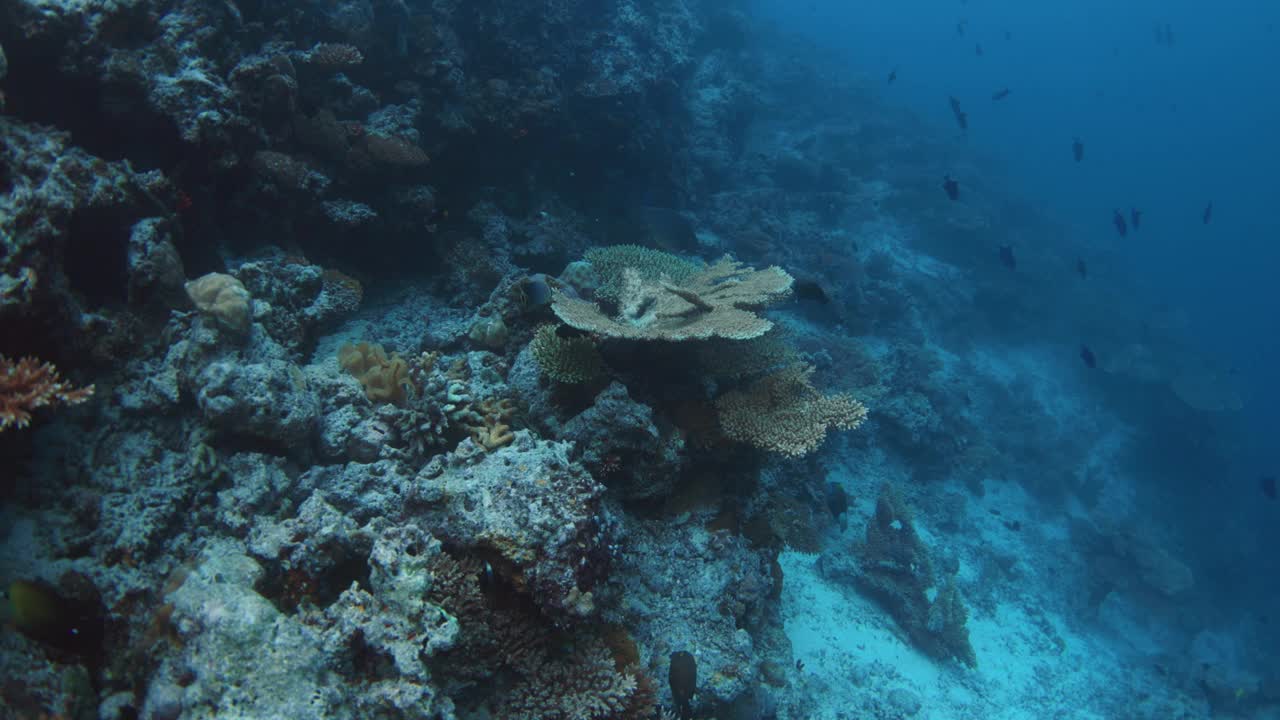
(29, 384)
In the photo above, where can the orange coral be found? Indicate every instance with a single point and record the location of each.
(29, 384)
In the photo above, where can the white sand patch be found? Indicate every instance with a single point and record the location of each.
(1029, 666)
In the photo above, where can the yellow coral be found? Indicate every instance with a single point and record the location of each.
(715, 302)
(489, 423)
(222, 297)
(783, 413)
(385, 379)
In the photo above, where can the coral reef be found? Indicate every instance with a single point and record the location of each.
(27, 385)
(431, 345)
(783, 413)
(224, 298)
(385, 379)
(893, 565)
(532, 507)
(565, 359)
(712, 303)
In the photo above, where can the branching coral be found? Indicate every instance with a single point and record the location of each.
(608, 263)
(713, 303)
(782, 412)
(29, 384)
(565, 359)
(584, 684)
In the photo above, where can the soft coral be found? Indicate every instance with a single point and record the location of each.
(29, 384)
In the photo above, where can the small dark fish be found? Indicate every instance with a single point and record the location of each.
(1008, 35)
(799, 665)
(1268, 486)
(1077, 149)
(960, 29)
(683, 678)
(1118, 220)
(977, 50)
(893, 75)
(1135, 218)
(951, 186)
(1000, 94)
(1208, 213)
(810, 290)
(838, 503)
(1088, 357)
(1006, 257)
(66, 622)
(962, 118)
(1082, 270)
(1014, 525)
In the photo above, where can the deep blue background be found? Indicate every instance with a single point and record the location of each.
(1166, 129)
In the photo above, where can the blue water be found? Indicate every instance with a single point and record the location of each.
(1167, 128)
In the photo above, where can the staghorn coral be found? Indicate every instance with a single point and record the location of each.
(783, 413)
(572, 360)
(713, 303)
(385, 379)
(29, 384)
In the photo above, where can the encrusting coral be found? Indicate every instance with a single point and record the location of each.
(715, 302)
(29, 384)
(782, 412)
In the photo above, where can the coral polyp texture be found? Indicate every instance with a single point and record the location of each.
(782, 412)
(565, 359)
